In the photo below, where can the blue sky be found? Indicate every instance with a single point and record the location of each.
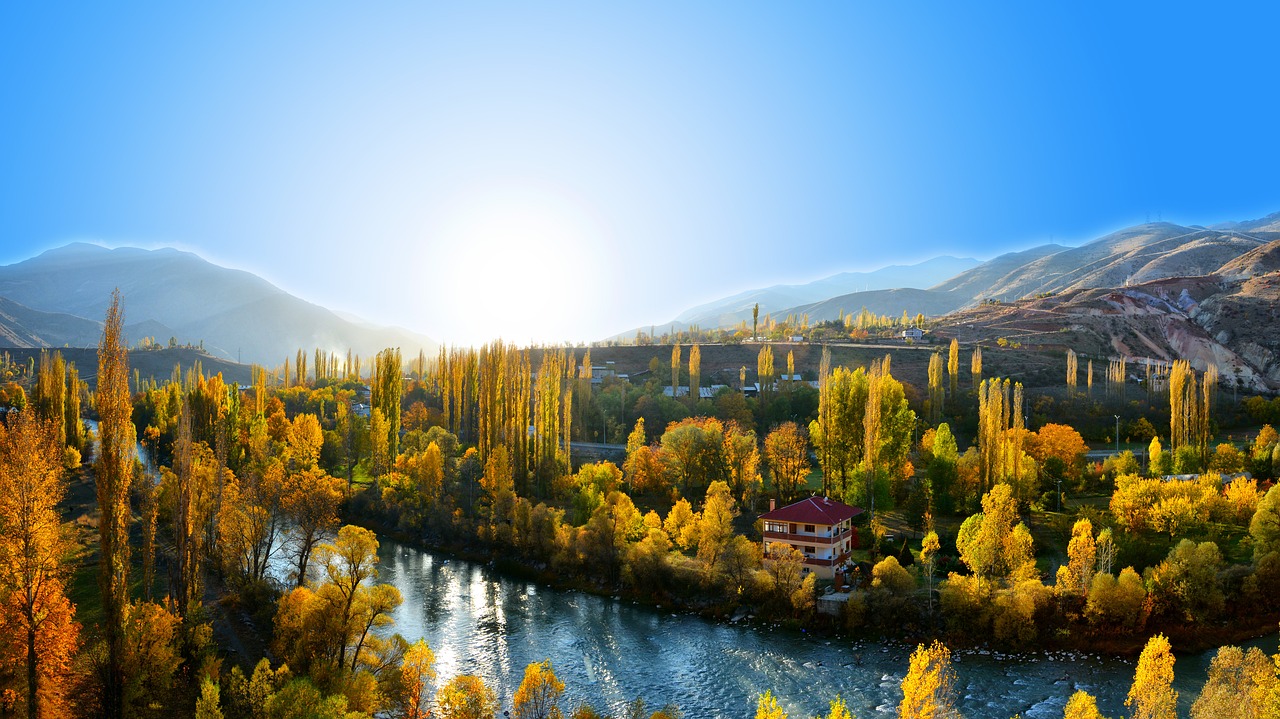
(552, 171)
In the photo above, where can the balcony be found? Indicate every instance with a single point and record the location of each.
(800, 538)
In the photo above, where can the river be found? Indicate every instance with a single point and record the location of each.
(609, 651)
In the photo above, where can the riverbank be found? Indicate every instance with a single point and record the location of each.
(1186, 639)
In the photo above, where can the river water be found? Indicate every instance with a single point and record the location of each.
(607, 652)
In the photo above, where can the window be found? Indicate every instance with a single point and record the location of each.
(778, 527)
(808, 550)
(808, 528)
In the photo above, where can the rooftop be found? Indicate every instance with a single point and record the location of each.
(814, 510)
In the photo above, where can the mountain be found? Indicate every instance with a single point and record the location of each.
(168, 293)
(780, 300)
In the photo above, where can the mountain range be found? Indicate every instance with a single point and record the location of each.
(943, 285)
(58, 299)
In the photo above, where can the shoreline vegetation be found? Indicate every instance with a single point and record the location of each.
(1019, 541)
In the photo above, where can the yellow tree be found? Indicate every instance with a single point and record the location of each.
(31, 546)
(113, 472)
(1073, 372)
(975, 366)
(466, 697)
(1076, 576)
(675, 369)
(1081, 705)
(936, 390)
(1152, 695)
(764, 369)
(767, 707)
(417, 668)
(538, 696)
(927, 688)
(695, 373)
(787, 452)
(953, 364)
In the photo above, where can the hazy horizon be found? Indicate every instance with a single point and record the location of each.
(565, 172)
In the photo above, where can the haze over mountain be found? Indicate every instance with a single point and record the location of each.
(60, 297)
(1143, 253)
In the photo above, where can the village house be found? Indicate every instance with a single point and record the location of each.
(818, 527)
(915, 334)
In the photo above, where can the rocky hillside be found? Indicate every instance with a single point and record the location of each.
(1213, 319)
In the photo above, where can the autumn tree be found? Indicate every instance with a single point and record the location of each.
(1239, 685)
(929, 686)
(1152, 695)
(113, 473)
(1073, 371)
(936, 389)
(1076, 576)
(385, 393)
(416, 669)
(764, 369)
(695, 373)
(538, 696)
(767, 707)
(787, 452)
(1081, 705)
(953, 364)
(310, 500)
(36, 612)
(989, 542)
(466, 697)
(975, 366)
(675, 370)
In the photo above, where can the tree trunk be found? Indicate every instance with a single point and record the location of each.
(33, 699)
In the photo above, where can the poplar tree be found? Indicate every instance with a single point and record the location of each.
(975, 366)
(113, 471)
(1072, 371)
(675, 370)
(953, 364)
(936, 390)
(764, 369)
(386, 391)
(695, 374)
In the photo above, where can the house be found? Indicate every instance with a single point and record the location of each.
(820, 528)
(915, 334)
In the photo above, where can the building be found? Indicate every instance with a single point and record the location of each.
(915, 334)
(818, 527)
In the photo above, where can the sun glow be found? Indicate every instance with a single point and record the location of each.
(520, 266)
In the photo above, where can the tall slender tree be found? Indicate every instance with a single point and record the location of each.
(675, 370)
(953, 365)
(975, 366)
(695, 373)
(113, 473)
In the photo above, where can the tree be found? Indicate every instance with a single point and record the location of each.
(385, 393)
(1237, 680)
(936, 389)
(767, 706)
(755, 321)
(466, 697)
(310, 500)
(989, 543)
(675, 370)
(695, 374)
(975, 366)
(928, 686)
(1076, 576)
(1081, 705)
(538, 696)
(787, 452)
(715, 525)
(1152, 695)
(1265, 525)
(113, 472)
(31, 548)
(928, 561)
(764, 369)
(416, 669)
(208, 705)
(953, 364)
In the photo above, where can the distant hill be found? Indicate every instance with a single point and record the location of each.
(168, 293)
(732, 310)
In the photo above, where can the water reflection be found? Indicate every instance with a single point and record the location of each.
(608, 652)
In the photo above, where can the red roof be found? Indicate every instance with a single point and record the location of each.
(814, 510)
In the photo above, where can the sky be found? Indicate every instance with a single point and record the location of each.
(564, 171)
